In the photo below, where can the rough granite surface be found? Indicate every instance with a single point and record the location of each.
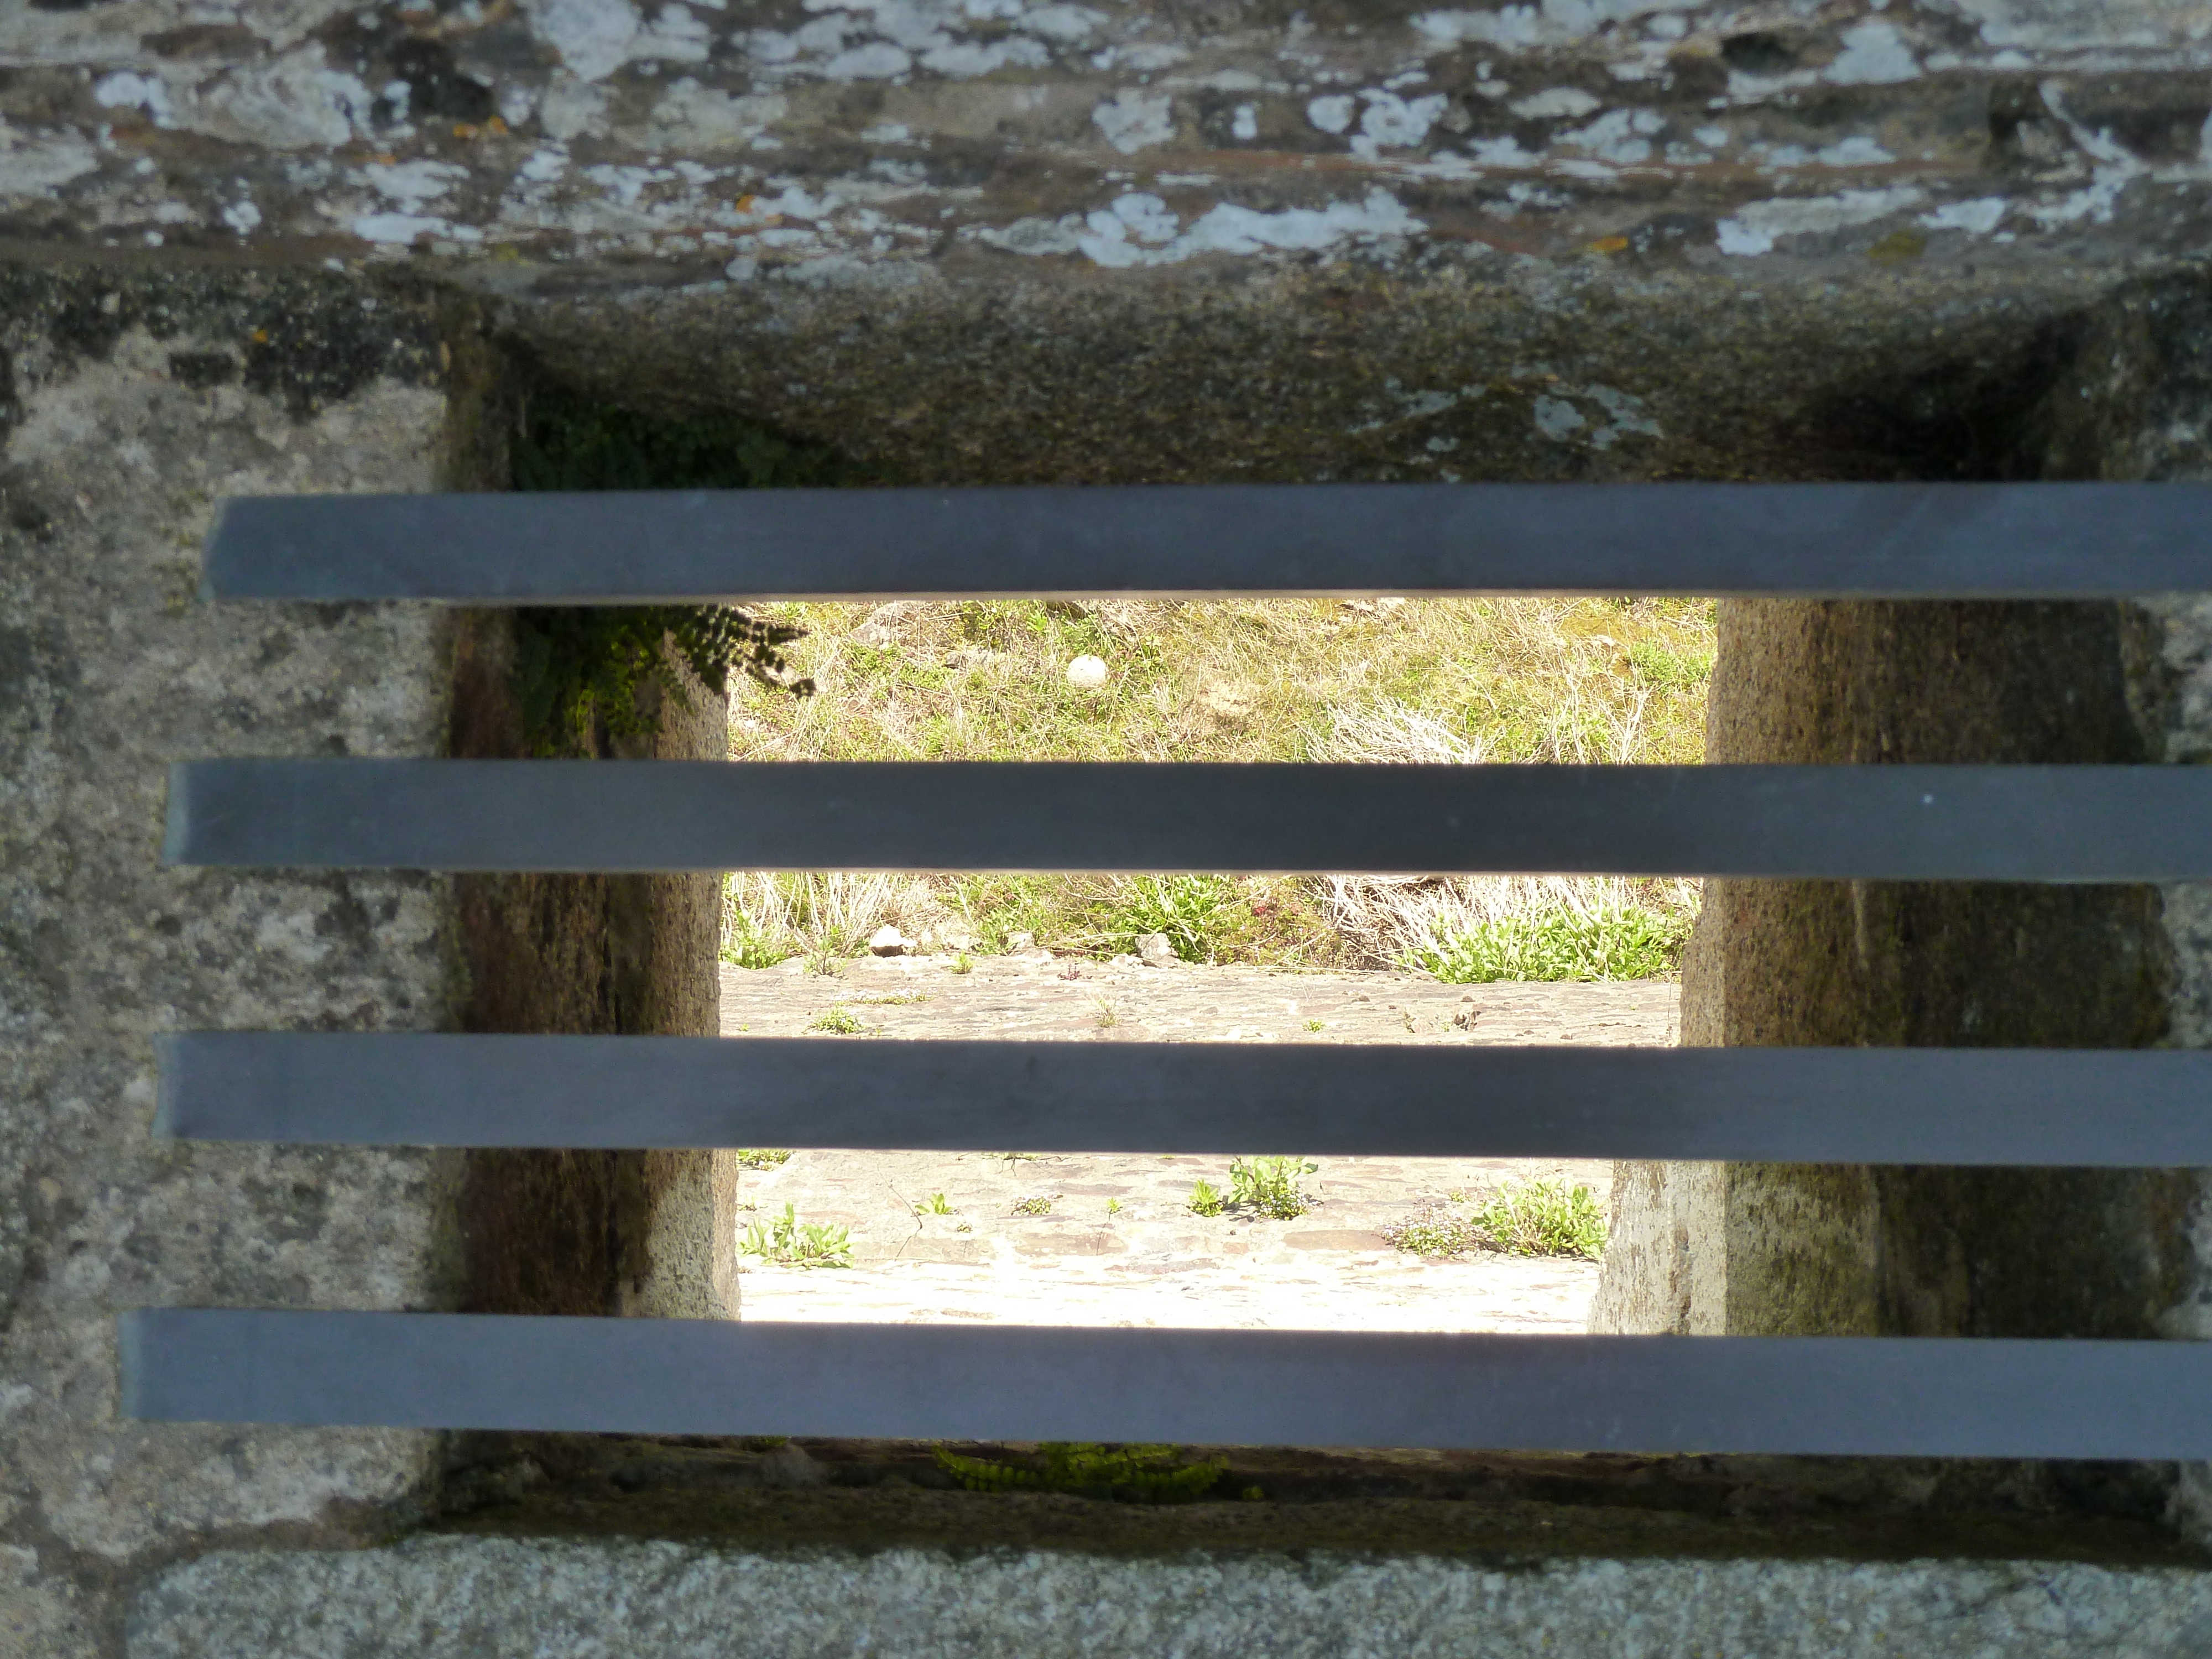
(488, 1598)
(110, 669)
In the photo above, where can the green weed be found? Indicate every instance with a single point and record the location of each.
(1270, 1185)
(1564, 945)
(578, 671)
(1544, 1218)
(762, 1158)
(798, 1243)
(1035, 1204)
(935, 1204)
(1204, 1198)
(1198, 915)
(838, 1020)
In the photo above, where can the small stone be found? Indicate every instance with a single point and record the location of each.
(1017, 942)
(888, 941)
(1087, 673)
(1155, 951)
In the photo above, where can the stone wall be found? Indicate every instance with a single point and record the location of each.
(1804, 1249)
(135, 402)
(1574, 239)
(323, 247)
(132, 408)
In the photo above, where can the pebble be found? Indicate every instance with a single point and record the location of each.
(1087, 673)
(888, 941)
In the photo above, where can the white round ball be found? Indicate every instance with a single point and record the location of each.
(1087, 673)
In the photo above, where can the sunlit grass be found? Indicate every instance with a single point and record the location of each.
(1422, 680)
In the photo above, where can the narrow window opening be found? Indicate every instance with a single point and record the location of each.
(1264, 1236)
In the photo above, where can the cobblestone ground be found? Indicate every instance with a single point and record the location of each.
(1148, 1259)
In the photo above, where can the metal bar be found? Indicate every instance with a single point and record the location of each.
(1903, 822)
(1867, 1396)
(2143, 1108)
(1839, 540)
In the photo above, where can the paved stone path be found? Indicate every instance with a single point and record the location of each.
(1148, 1259)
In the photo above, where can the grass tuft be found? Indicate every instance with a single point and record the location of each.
(1537, 1218)
(762, 1158)
(1199, 914)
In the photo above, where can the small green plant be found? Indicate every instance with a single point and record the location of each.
(960, 964)
(762, 1158)
(1198, 914)
(1544, 1218)
(1566, 945)
(935, 1204)
(581, 668)
(898, 1001)
(1314, 1025)
(1015, 1157)
(1113, 1206)
(578, 670)
(1204, 1198)
(1144, 1474)
(798, 1243)
(1270, 1185)
(838, 1020)
(1035, 1204)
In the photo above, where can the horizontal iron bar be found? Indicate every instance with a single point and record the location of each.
(2139, 1108)
(1842, 540)
(1903, 822)
(1834, 1395)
